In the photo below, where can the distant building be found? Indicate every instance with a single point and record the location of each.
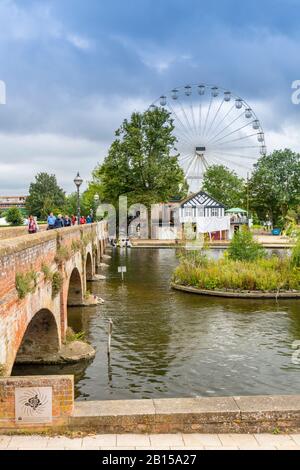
(205, 215)
(6, 202)
(238, 218)
(199, 213)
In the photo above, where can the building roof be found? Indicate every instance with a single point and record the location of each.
(201, 198)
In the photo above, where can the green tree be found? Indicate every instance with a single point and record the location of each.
(243, 247)
(44, 196)
(14, 216)
(225, 185)
(141, 163)
(275, 185)
(70, 205)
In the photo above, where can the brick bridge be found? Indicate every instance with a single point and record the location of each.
(40, 275)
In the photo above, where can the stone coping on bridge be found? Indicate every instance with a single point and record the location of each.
(13, 245)
(237, 294)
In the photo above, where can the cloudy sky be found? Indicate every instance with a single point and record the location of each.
(74, 69)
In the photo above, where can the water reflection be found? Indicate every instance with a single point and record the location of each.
(167, 343)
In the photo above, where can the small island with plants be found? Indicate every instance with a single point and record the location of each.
(245, 271)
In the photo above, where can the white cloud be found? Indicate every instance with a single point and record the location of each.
(153, 56)
(37, 21)
(79, 41)
(25, 156)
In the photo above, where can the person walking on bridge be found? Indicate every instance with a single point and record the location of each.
(32, 225)
(59, 222)
(67, 221)
(51, 221)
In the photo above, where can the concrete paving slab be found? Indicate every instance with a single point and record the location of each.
(237, 440)
(188, 448)
(296, 438)
(64, 442)
(166, 439)
(100, 440)
(221, 448)
(28, 442)
(201, 440)
(274, 440)
(4, 441)
(134, 440)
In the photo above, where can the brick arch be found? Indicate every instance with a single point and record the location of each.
(40, 338)
(89, 267)
(75, 289)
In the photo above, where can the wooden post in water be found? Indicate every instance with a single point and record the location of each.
(110, 327)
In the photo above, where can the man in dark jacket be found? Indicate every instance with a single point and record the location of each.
(67, 221)
(59, 223)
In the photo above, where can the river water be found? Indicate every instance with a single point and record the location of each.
(167, 343)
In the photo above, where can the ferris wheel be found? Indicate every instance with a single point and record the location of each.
(213, 127)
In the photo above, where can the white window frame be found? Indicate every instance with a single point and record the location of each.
(214, 212)
(200, 212)
(188, 211)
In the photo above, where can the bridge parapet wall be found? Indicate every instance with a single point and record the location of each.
(27, 267)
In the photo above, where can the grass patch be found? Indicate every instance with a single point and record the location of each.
(245, 267)
(26, 283)
(87, 295)
(46, 270)
(86, 239)
(62, 254)
(267, 275)
(72, 336)
(57, 282)
(76, 246)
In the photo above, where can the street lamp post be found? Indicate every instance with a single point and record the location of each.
(96, 201)
(78, 182)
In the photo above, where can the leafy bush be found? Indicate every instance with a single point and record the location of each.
(14, 216)
(295, 258)
(194, 257)
(244, 248)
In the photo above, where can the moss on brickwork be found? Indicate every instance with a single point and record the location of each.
(57, 282)
(76, 246)
(86, 239)
(26, 283)
(62, 254)
(47, 272)
(94, 250)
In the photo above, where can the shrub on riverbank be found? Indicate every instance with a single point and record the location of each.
(273, 274)
(244, 267)
(243, 247)
(295, 258)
